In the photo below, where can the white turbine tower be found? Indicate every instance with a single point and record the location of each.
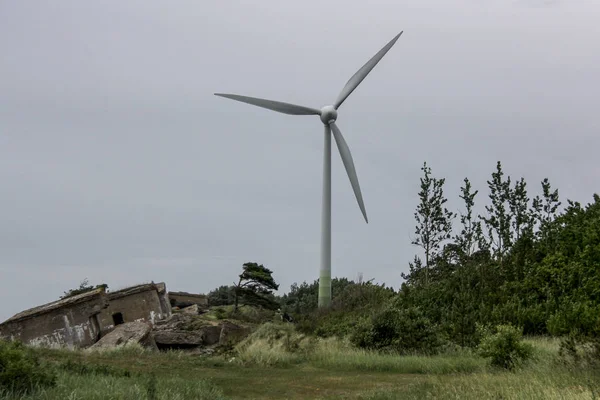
(328, 115)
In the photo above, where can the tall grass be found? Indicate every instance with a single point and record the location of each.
(546, 377)
(274, 345)
(279, 345)
(341, 355)
(532, 384)
(105, 387)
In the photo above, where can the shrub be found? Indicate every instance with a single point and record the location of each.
(361, 296)
(575, 316)
(352, 304)
(577, 350)
(402, 330)
(221, 296)
(220, 313)
(21, 370)
(274, 345)
(251, 314)
(505, 347)
(327, 323)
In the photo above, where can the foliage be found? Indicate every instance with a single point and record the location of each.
(575, 316)
(303, 298)
(580, 351)
(255, 287)
(354, 296)
(434, 221)
(505, 347)
(525, 262)
(84, 287)
(352, 303)
(21, 370)
(252, 314)
(471, 234)
(498, 219)
(221, 296)
(403, 330)
(220, 313)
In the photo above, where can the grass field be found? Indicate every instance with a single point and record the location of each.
(324, 369)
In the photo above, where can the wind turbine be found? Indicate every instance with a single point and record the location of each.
(328, 115)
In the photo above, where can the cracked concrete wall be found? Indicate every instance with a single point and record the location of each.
(141, 306)
(72, 326)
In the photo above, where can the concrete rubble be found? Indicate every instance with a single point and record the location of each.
(185, 331)
(126, 334)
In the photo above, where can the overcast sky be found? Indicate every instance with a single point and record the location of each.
(117, 162)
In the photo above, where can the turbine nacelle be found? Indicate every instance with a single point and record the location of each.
(328, 114)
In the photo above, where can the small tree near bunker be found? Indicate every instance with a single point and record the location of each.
(255, 287)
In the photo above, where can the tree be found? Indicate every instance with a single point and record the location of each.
(415, 274)
(522, 220)
(545, 210)
(498, 220)
(536, 266)
(255, 287)
(434, 221)
(470, 235)
(221, 296)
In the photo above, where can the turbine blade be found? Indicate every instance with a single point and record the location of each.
(349, 164)
(362, 73)
(278, 106)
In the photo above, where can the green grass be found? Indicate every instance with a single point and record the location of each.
(102, 387)
(340, 355)
(292, 366)
(291, 348)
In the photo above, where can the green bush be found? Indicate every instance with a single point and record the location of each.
(505, 347)
(21, 370)
(401, 330)
(220, 313)
(328, 322)
(361, 296)
(350, 306)
(571, 316)
(251, 314)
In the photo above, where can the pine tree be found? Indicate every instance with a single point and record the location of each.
(519, 208)
(470, 235)
(434, 221)
(498, 220)
(522, 225)
(255, 287)
(545, 208)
